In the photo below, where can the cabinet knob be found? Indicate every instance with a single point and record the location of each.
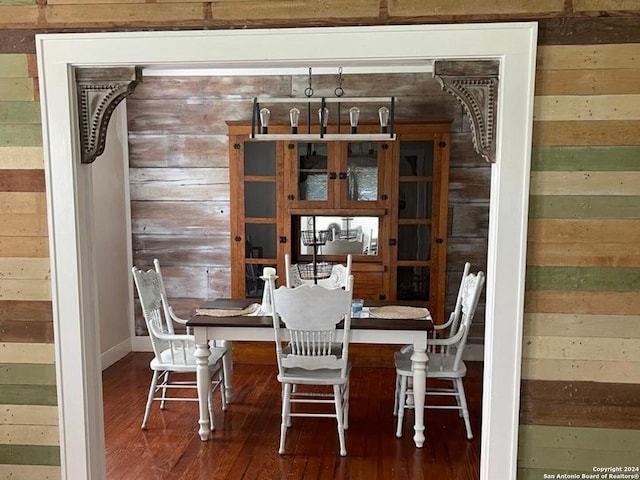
(384, 196)
(282, 239)
(237, 238)
(236, 146)
(342, 175)
(291, 197)
(439, 240)
(332, 175)
(393, 241)
(291, 146)
(385, 146)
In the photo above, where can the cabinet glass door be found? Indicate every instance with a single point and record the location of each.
(313, 172)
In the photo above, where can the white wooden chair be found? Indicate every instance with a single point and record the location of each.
(445, 360)
(311, 356)
(339, 277)
(173, 352)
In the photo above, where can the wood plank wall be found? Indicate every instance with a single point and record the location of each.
(180, 181)
(579, 402)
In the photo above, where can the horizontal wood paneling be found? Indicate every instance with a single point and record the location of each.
(586, 107)
(584, 206)
(211, 184)
(26, 353)
(601, 371)
(27, 374)
(174, 151)
(28, 415)
(17, 89)
(597, 6)
(25, 268)
(580, 404)
(587, 82)
(29, 435)
(32, 472)
(589, 57)
(25, 289)
(20, 135)
(19, 112)
(31, 311)
(495, 8)
(592, 302)
(28, 395)
(589, 31)
(21, 158)
(595, 132)
(180, 217)
(22, 202)
(256, 10)
(582, 325)
(22, 180)
(578, 449)
(14, 66)
(583, 278)
(568, 253)
(592, 158)
(177, 250)
(25, 247)
(582, 348)
(30, 454)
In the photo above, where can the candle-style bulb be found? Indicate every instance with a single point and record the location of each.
(354, 116)
(323, 113)
(265, 114)
(383, 113)
(294, 116)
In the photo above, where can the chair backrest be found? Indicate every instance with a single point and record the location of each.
(457, 311)
(163, 296)
(311, 314)
(339, 277)
(149, 287)
(471, 289)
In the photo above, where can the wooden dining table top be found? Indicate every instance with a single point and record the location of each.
(357, 323)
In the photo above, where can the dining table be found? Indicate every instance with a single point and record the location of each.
(212, 324)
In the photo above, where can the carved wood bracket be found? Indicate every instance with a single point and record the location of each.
(474, 83)
(99, 91)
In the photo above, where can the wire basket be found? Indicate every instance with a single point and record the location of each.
(323, 270)
(310, 237)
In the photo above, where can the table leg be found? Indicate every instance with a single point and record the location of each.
(203, 385)
(227, 365)
(419, 367)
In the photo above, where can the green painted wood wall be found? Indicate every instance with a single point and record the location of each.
(580, 404)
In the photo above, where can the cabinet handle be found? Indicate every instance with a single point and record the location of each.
(291, 197)
(236, 146)
(393, 241)
(342, 175)
(442, 144)
(237, 238)
(439, 240)
(291, 146)
(332, 175)
(385, 146)
(384, 196)
(283, 239)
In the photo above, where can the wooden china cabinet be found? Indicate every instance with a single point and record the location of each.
(385, 202)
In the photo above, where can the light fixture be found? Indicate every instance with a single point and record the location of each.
(354, 116)
(322, 131)
(294, 117)
(265, 114)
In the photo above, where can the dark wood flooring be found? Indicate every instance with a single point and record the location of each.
(245, 443)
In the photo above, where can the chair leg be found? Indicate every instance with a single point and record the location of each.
(463, 405)
(147, 410)
(401, 404)
(221, 386)
(339, 418)
(212, 418)
(286, 405)
(345, 405)
(164, 389)
(396, 394)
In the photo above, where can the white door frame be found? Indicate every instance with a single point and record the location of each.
(69, 193)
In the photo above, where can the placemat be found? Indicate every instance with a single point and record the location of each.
(218, 312)
(399, 312)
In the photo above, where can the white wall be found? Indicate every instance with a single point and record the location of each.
(112, 225)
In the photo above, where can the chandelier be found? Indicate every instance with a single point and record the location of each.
(323, 118)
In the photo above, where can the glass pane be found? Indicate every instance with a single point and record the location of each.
(413, 283)
(339, 235)
(260, 199)
(260, 158)
(254, 286)
(414, 242)
(415, 200)
(362, 171)
(260, 240)
(312, 171)
(416, 158)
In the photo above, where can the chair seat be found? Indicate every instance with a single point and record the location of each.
(323, 376)
(438, 366)
(166, 363)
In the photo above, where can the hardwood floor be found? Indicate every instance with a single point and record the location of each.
(245, 442)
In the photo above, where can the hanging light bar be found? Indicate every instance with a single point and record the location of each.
(263, 115)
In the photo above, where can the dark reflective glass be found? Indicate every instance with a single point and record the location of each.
(362, 171)
(260, 158)
(413, 283)
(414, 242)
(260, 199)
(416, 158)
(254, 284)
(312, 171)
(260, 240)
(415, 200)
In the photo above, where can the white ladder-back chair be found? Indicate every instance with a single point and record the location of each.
(173, 352)
(168, 310)
(445, 360)
(339, 278)
(311, 314)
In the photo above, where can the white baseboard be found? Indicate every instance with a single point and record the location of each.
(141, 344)
(114, 354)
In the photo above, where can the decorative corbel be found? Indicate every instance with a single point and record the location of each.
(100, 90)
(474, 83)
